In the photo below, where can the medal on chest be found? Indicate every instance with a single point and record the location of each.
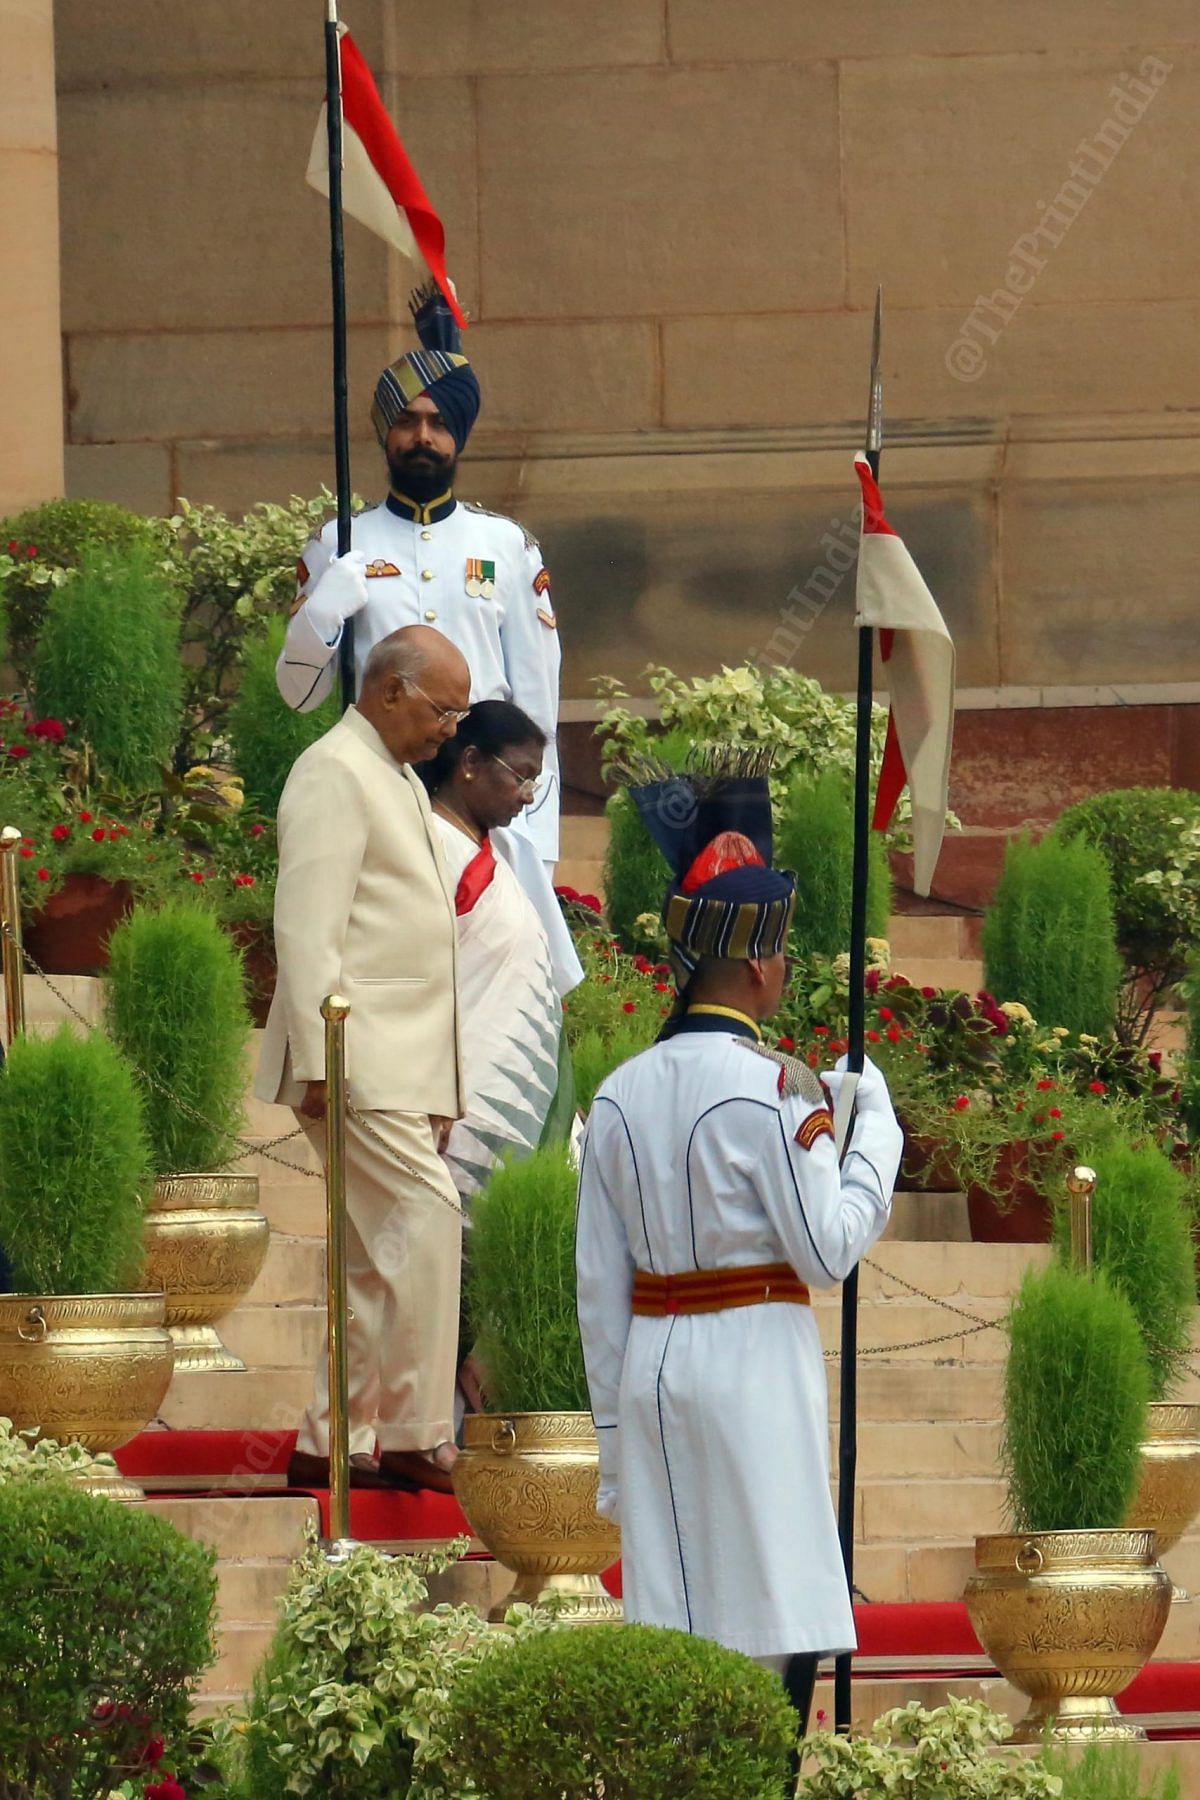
(481, 578)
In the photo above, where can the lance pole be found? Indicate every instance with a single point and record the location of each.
(856, 1046)
(337, 269)
(335, 1011)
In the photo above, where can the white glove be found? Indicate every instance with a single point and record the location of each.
(339, 594)
(871, 1094)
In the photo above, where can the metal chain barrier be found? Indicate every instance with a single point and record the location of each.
(242, 1146)
(268, 1149)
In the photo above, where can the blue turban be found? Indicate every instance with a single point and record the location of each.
(438, 369)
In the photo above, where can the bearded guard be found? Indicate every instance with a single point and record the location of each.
(425, 557)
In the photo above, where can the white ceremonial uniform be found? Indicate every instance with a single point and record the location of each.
(479, 578)
(713, 1427)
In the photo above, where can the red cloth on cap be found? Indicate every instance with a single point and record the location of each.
(728, 850)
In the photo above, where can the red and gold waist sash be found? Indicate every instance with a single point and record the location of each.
(717, 1290)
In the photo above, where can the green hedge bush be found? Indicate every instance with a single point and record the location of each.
(74, 1166)
(650, 1714)
(176, 1006)
(265, 734)
(815, 839)
(107, 1622)
(520, 1285)
(1076, 1388)
(48, 540)
(1135, 830)
(1048, 937)
(107, 664)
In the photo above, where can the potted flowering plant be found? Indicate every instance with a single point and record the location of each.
(84, 859)
(1011, 1147)
(617, 1009)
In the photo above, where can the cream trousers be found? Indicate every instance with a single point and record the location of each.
(403, 1256)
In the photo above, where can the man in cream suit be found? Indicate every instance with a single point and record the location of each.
(364, 908)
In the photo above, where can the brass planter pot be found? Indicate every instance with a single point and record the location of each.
(1069, 1617)
(1168, 1496)
(527, 1484)
(206, 1242)
(90, 1369)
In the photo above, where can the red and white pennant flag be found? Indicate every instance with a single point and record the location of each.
(380, 187)
(919, 657)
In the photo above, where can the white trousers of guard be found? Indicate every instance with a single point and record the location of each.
(403, 1258)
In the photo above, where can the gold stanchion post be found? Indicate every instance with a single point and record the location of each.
(10, 913)
(1081, 1185)
(335, 1010)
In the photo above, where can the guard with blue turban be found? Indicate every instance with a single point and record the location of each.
(425, 557)
(711, 1203)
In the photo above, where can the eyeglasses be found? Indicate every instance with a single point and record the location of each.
(453, 715)
(526, 784)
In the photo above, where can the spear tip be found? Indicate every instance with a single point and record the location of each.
(875, 406)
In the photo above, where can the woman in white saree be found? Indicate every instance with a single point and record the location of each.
(509, 1011)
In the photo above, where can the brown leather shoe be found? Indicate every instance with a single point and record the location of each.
(305, 1470)
(413, 1470)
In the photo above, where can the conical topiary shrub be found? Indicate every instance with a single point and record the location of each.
(176, 1006)
(1049, 939)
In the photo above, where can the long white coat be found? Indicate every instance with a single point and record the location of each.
(713, 1427)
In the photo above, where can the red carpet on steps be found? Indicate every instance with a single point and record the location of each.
(902, 1633)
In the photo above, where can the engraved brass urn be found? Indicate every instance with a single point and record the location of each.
(527, 1483)
(206, 1242)
(1069, 1618)
(1168, 1496)
(90, 1369)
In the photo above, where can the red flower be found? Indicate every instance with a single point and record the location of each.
(13, 546)
(893, 1034)
(928, 993)
(197, 874)
(98, 835)
(25, 850)
(1097, 1087)
(629, 1006)
(61, 833)
(1154, 1058)
(886, 1014)
(871, 983)
(53, 730)
(18, 750)
(85, 818)
(31, 550)
(962, 1102)
(43, 874)
(1044, 1085)
(166, 1789)
(662, 987)
(1055, 1112)
(564, 893)
(814, 1060)
(820, 1031)
(1020, 1106)
(243, 881)
(1056, 1137)
(893, 982)
(257, 831)
(873, 1037)
(153, 1753)
(785, 1043)
(591, 901)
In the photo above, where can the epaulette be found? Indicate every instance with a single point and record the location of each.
(796, 1079)
(531, 542)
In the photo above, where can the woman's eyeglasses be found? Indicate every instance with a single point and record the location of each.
(526, 784)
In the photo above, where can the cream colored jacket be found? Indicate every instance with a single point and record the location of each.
(364, 908)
